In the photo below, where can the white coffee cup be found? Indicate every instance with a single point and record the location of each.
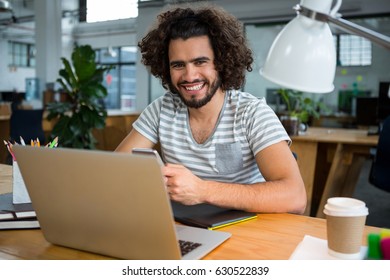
(346, 218)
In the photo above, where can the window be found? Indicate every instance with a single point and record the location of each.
(112, 10)
(353, 50)
(121, 80)
(21, 54)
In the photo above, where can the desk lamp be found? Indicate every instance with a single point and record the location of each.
(303, 55)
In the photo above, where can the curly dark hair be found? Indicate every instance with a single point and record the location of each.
(231, 51)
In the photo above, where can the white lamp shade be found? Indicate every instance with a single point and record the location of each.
(302, 57)
(5, 6)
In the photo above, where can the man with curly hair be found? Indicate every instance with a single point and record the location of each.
(221, 146)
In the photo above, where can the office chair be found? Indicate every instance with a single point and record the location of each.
(380, 168)
(27, 124)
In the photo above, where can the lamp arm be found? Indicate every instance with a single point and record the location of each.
(371, 35)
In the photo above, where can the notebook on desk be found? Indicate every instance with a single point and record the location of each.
(209, 216)
(108, 203)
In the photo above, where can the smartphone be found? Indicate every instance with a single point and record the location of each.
(150, 152)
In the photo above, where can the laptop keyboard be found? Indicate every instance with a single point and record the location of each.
(187, 246)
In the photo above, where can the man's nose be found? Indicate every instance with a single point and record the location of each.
(190, 73)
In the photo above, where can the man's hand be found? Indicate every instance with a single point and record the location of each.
(182, 185)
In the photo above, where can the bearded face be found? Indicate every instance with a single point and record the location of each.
(192, 70)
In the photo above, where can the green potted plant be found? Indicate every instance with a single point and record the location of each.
(300, 110)
(83, 109)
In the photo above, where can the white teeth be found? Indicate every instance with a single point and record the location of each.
(198, 87)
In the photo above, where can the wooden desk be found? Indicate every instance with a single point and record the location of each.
(4, 135)
(269, 237)
(335, 121)
(118, 125)
(330, 161)
(5, 178)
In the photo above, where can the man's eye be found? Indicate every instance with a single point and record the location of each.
(200, 62)
(177, 65)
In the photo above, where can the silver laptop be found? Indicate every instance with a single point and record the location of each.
(113, 204)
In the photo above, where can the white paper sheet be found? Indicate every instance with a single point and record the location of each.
(313, 248)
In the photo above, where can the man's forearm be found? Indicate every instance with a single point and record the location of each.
(271, 197)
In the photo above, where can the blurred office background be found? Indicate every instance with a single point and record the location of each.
(38, 32)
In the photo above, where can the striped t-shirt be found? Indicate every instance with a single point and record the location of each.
(245, 126)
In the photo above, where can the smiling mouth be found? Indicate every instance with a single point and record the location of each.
(194, 87)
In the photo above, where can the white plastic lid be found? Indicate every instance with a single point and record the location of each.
(345, 207)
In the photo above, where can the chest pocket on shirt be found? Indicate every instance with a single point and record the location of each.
(228, 157)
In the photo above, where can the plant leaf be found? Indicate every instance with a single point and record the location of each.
(83, 82)
(68, 74)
